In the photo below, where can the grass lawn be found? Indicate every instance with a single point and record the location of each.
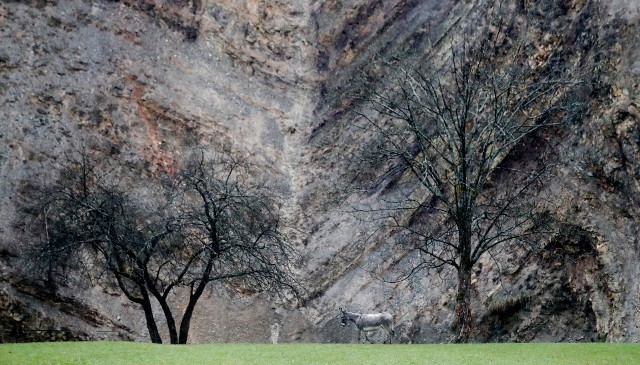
(143, 353)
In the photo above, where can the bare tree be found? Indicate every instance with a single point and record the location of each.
(233, 220)
(443, 136)
(209, 223)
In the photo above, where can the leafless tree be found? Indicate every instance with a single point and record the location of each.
(443, 135)
(234, 221)
(209, 223)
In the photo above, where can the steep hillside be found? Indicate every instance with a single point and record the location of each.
(143, 80)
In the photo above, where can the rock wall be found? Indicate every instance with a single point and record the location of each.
(143, 80)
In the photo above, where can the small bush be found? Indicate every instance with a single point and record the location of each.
(508, 305)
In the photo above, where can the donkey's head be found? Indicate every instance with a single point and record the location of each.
(344, 319)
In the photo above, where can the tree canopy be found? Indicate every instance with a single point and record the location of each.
(443, 134)
(213, 221)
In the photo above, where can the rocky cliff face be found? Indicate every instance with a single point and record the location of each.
(143, 80)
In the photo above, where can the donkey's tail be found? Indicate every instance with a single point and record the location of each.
(393, 325)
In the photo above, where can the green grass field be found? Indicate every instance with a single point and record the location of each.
(143, 353)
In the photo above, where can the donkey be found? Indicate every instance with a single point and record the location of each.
(369, 322)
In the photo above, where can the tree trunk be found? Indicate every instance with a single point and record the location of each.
(186, 318)
(151, 321)
(185, 324)
(171, 323)
(464, 320)
(195, 295)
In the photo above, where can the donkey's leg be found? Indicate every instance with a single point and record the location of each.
(389, 332)
(365, 336)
